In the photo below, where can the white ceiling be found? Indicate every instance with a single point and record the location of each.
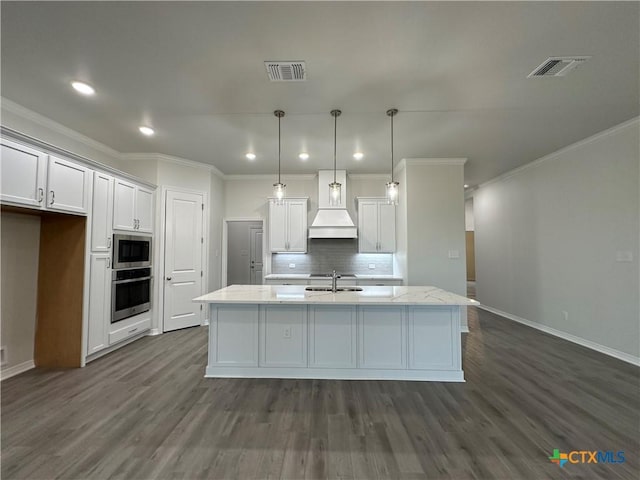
(456, 71)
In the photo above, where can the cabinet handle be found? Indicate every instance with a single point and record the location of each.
(109, 242)
(133, 330)
(40, 194)
(108, 263)
(53, 197)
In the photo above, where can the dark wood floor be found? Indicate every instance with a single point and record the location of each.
(147, 412)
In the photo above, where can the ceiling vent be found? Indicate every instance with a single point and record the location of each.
(286, 71)
(557, 66)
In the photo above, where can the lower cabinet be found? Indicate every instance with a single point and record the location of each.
(233, 336)
(382, 337)
(134, 326)
(283, 336)
(99, 302)
(332, 336)
(427, 328)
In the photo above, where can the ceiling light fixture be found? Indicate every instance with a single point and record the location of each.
(83, 88)
(392, 186)
(335, 188)
(303, 156)
(358, 155)
(250, 156)
(279, 189)
(466, 186)
(148, 131)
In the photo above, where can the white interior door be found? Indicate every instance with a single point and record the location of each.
(255, 255)
(183, 260)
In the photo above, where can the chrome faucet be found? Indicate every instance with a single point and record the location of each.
(334, 281)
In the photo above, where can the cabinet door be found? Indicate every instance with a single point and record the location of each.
(386, 228)
(102, 213)
(277, 227)
(368, 227)
(382, 337)
(68, 186)
(233, 335)
(332, 336)
(124, 205)
(144, 210)
(297, 223)
(99, 303)
(23, 175)
(283, 336)
(434, 338)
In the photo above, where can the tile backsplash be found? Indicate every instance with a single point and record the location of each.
(324, 255)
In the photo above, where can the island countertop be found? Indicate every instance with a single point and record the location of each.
(294, 294)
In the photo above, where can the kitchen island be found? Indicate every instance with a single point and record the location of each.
(384, 333)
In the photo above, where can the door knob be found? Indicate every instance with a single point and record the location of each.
(168, 278)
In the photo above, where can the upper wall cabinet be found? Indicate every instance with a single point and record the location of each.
(376, 226)
(132, 207)
(34, 179)
(288, 226)
(102, 212)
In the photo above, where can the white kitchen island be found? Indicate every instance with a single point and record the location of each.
(385, 333)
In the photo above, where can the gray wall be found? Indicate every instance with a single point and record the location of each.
(324, 255)
(548, 235)
(19, 251)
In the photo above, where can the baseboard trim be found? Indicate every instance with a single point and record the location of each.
(612, 352)
(153, 332)
(16, 369)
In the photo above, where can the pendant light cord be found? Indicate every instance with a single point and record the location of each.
(335, 142)
(392, 148)
(279, 148)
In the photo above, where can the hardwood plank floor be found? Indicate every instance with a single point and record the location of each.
(146, 412)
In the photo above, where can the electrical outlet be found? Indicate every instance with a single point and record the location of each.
(565, 315)
(287, 333)
(372, 266)
(292, 265)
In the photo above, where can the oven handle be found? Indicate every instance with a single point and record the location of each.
(117, 282)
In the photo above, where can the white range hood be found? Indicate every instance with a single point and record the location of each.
(332, 221)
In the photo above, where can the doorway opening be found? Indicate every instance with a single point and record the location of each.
(244, 252)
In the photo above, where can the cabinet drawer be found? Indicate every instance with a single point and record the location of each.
(378, 282)
(126, 332)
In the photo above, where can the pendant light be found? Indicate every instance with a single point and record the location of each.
(335, 188)
(392, 186)
(279, 189)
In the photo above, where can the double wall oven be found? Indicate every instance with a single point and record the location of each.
(132, 276)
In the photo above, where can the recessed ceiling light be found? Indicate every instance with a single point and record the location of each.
(303, 156)
(83, 88)
(148, 131)
(250, 156)
(466, 186)
(358, 155)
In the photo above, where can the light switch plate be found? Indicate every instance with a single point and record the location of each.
(454, 254)
(292, 265)
(372, 266)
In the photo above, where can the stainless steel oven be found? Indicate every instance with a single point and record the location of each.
(131, 251)
(130, 293)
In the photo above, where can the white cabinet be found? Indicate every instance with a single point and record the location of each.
(102, 213)
(233, 335)
(288, 226)
(382, 337)
(332, 336)
(99, 302)
(427, 329)
(23, 175)
(283, 336)
(34, 179)
(132, 207)
(376, 226)
(380, 282)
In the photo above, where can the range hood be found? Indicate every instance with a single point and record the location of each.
(332, 221)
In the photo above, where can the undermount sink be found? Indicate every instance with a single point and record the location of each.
(329, 289)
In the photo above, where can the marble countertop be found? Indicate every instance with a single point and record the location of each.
(296, 294)
(306, 276)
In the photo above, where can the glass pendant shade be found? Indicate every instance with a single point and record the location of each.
(392, 193)
(279, 191)
(335, 194)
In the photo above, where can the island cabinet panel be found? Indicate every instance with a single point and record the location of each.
(382, 337)
(283, 335)
(428, 330)
(332, 336)
(233, 335)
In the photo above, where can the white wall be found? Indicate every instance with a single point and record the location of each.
(19, 253)
(216, 208)
(435, 224)
(547, 237)
(468, 215)
(37, 126)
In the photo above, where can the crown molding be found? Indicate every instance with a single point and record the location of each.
(554, 155)
(27, 114)
(160, 157)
